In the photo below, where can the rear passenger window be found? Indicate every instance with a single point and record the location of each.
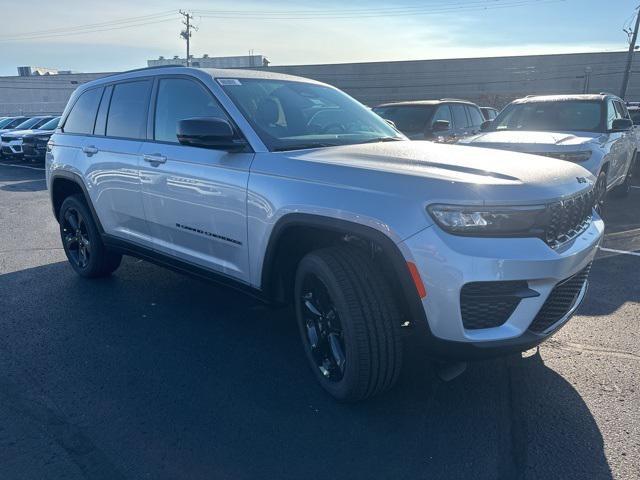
(127, 116)
(459, 115)
(475, 115)
(83, 113)
(179, 98)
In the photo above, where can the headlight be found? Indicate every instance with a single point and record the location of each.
(490, 221)
(581, 156)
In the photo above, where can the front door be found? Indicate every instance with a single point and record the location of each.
(195, 199)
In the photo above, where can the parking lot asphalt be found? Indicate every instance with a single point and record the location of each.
(152, 374)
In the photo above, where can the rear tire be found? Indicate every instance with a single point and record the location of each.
(81, 240)
(349, 323)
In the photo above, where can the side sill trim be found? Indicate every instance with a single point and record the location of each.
(129, 248)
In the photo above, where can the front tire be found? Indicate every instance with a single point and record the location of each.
(349, 323)
(81, 240)
(601, 192)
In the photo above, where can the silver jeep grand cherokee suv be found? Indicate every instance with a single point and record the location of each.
(291, 190)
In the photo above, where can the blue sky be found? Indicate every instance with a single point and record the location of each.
(452, 29)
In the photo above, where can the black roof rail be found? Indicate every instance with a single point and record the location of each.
(144, 68)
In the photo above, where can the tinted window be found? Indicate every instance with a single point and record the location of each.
(40, 122)
(407, 118)
(443, 113)
(475, 115)
(6, 121)
(51, 124)
(459, 115)
(570, 115)
(83, 114)
(128, 110)
(612, 114)
(178, 99)
(635, 116)
(29, 123)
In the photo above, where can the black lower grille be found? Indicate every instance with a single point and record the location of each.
(561, 300)
(490, 304)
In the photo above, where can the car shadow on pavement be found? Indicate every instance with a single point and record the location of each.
(26, 186)
(171, 377)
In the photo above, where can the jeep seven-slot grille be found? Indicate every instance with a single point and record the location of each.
(569, 218)
(490, 304)
(561, 300)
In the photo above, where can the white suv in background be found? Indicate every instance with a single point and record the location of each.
(594, 131)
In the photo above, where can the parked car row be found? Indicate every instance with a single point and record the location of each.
(595, 131)
(26, 137)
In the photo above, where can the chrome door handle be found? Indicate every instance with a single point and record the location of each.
(90, 150)
(154, 158)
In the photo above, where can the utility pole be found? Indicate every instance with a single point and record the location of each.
(186, 33)
(632, 47)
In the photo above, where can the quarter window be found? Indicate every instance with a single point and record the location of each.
(83, 113)
(128, 110)
(179, 98)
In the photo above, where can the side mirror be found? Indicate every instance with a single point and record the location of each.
(209, 132)
(440, 126)
(621, 124)
(484, 126)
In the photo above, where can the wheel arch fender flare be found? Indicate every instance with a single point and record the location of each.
(77, 180)
(403, 284)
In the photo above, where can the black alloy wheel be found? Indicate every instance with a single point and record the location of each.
(76, 238)
(324, 334)
(82, 241)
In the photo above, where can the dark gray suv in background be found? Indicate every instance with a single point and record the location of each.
(443, 120)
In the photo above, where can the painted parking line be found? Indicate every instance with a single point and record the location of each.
(622, 252)
(21, 166)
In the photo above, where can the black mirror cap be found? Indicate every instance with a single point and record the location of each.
(209, 132)
(441, 126)
(621, 124)
(484, 126)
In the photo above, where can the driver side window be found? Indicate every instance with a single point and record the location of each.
(612, 114)
(178, 99)
(443, 113)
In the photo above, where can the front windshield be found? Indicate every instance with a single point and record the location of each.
(50, 125)
(27, 124)
(12, 122)
(5, 121)
(294, 115)
(407, 118)
(576, 115)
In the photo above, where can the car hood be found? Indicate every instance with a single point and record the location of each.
(452, 172)
(529, 141)
(17, 133)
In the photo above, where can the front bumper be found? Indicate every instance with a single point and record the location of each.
(446, 263)
(12, 148)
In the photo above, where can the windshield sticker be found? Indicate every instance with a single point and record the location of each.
(229, 81)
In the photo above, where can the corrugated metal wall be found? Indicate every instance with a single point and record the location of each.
(487, 81)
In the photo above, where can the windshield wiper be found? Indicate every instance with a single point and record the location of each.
(384, 139)
(303, 146)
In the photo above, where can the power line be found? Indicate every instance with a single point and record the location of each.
(632, 47)
(90, 28)
(365, 13)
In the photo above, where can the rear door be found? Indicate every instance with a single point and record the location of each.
(461, 123)
(111, 156)
(475, 119)
(195, 199)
